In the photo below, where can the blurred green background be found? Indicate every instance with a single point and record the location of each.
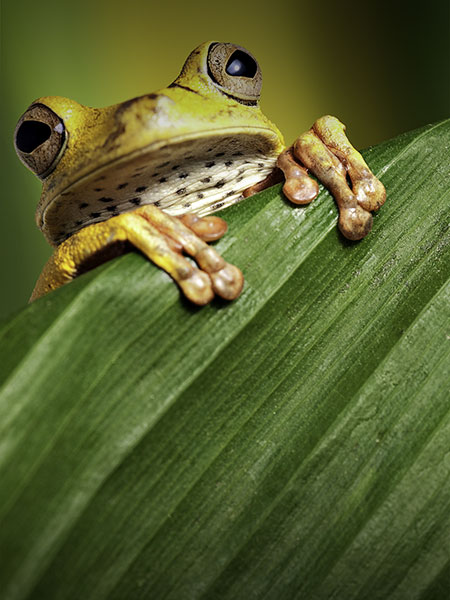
(382, 68)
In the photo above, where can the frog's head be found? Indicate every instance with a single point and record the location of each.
(97, 162)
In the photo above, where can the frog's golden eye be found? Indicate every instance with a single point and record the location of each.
(235, 72)
(39, 139)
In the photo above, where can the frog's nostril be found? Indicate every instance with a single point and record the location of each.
(31, 134)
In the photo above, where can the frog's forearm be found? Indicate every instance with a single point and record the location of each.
(161, 238)
(74, 255)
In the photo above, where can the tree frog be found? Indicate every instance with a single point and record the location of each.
(148, 172)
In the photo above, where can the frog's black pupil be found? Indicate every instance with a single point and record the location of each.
(32, 134)
(241, 64)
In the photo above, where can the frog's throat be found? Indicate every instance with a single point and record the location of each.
(197, 173)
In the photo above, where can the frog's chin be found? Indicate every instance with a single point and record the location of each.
(187, 175)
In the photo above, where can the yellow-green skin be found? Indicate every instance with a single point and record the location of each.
(190, 108)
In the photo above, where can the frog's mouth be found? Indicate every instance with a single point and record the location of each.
(191, 175)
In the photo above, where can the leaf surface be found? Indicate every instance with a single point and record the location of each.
(292, 444)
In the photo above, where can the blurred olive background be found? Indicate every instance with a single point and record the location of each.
(382, 68)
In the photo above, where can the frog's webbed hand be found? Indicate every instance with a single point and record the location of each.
(162, 239)
(326, 152)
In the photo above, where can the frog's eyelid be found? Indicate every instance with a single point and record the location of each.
(40, 139)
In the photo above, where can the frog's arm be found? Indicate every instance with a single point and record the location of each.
(326, 151)
(162, 239)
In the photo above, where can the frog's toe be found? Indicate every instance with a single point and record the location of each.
(208, 229)
(228, 282)
(197, 288)
(355, 222)
(369, 190)
(299, 188)
(225, 279)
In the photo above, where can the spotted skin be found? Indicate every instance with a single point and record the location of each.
(131, 184)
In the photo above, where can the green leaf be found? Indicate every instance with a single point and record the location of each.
(291, 444)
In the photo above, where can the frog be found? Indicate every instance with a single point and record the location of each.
(149, 173)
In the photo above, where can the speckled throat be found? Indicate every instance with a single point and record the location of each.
(197, 175)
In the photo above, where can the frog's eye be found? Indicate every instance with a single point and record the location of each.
(39, 139)
(235, 72)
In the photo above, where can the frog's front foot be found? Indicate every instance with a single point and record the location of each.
(160, 237)
(326, 152)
